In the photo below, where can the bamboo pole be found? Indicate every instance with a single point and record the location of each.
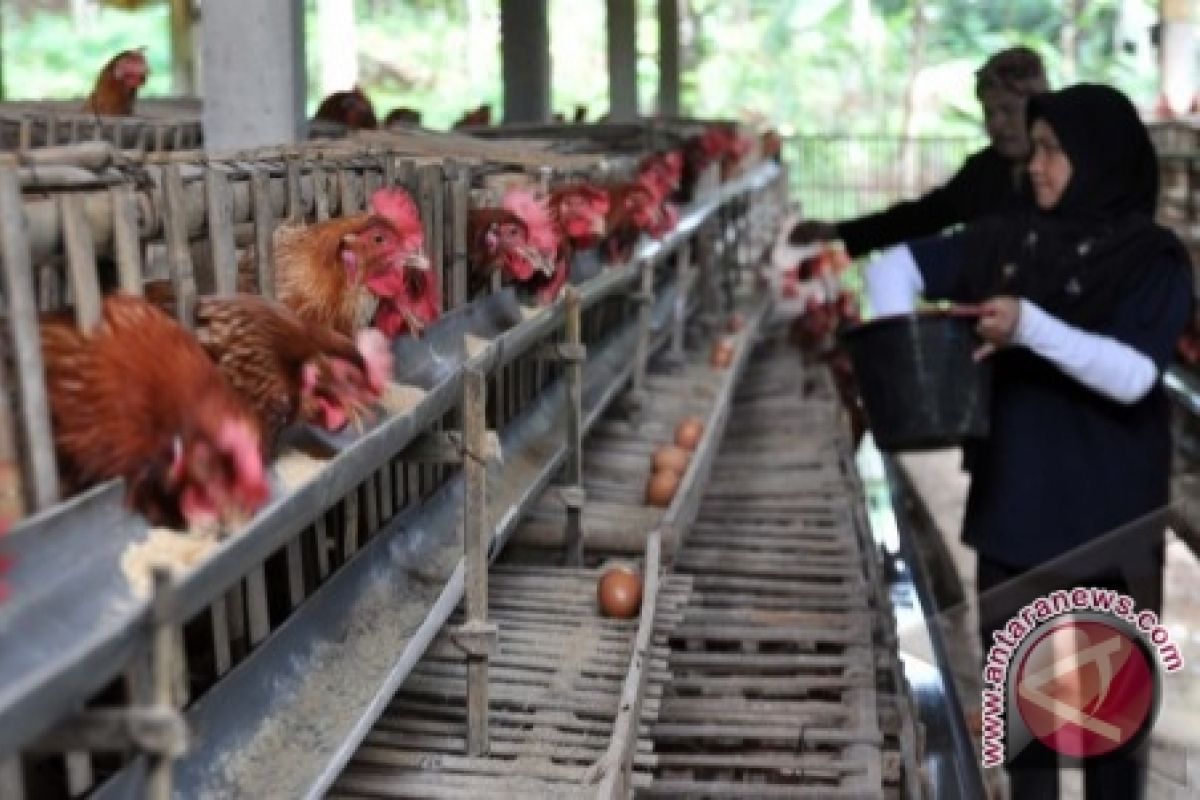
(26, 340)
(574, 496)
(477, 636)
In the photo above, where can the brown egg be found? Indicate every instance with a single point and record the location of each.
(688, 433)
(671, 457)
(722, 354)
(735, 322)
(619, 593)
(661, 487)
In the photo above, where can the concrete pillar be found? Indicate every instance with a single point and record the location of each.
(1177, 55)
(525, 57)
(668, 58)
(622, 60)
(183, 49)
(252, 57)
(337, 38)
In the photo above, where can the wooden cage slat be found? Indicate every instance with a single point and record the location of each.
(79, 773)
(321, 537)
(371, 497)
(347, 198)
(220, 230)
(222, 652)
(350, 530)
(406, 175)
(264, 226)
(51, 292)
(12, 483)
(81, 262)
(127, 239)
(294, 557)
(12, 784)
(295, 200)
(320, 184)
(256, 605)
(459, 190)
(179, 256)
(428, 191)
(372, 180)
(235, 602)
(25, 336)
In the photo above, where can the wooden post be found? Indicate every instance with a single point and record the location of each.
(183, 49)
(683, 260)
(460, 189)
(12, 786)
(430, 202)
(645, 300)
(81, 262)
(622, 60)
(26, 340)
(179, 255)
(264, 227)
(220, 230)
(573, 493)
(295, 196)
(525, 57)
(159, 776)
(127, 239)
(668, 58)
(477, 637)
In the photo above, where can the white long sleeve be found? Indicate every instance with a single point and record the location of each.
(893, 282)
(1112, 368)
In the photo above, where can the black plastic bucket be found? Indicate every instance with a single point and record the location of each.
(919, 384)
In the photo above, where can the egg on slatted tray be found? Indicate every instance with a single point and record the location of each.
(619, 592)
(722, 354)
(689, 432)
(661, 488)
(671, 457)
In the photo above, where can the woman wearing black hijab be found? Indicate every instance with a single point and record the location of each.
(1083, 298)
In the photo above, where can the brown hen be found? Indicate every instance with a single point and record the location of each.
(288, 370)
(118, 83)
(138, 398)
(366, 269)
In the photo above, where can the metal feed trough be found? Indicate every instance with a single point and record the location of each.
(339, 583)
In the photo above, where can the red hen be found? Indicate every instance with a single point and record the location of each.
(287, 370)
(138, 398)
(118, 83)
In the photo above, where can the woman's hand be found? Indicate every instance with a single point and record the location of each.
(998, 320)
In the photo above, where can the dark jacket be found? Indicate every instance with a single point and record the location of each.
(984, 185)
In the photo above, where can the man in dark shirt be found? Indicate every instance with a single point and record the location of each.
(989, 182)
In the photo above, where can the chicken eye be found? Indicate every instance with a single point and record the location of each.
(379, 238)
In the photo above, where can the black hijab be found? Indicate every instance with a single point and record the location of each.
(1079, 259)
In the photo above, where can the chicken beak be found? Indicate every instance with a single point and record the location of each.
(536, 259)
(598, 226)
(417, 260)
(415, 327)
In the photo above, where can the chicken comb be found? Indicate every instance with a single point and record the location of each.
(397, 207)
(533, 211)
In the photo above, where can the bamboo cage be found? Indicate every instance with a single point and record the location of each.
(174, 224)
(158, 125)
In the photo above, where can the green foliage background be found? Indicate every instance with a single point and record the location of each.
(814, 66)
(836, 73)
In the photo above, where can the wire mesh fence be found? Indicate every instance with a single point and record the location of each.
(837, 177)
